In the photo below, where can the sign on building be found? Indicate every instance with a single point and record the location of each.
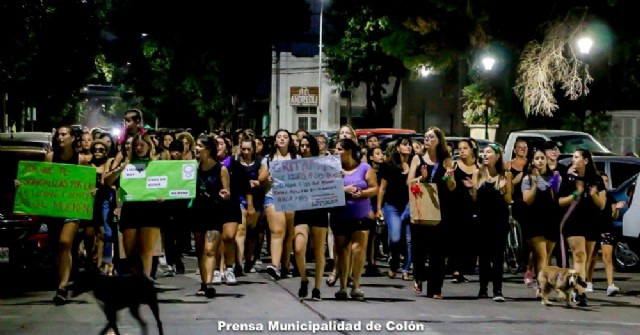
(304, 96)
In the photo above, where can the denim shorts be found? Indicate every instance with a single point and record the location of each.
(269, 201)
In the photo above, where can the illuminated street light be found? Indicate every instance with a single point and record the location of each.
(584, 44)
(488, 62)
(425, 71)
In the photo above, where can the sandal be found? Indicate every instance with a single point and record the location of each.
(406, 276)
(331, 280)
(417, 286)
(391, 274)
(202, 291)
(437, 296)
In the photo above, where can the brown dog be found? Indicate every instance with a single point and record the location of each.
(562, 280)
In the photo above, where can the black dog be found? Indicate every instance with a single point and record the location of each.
(126, 291)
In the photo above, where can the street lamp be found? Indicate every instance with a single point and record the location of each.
(487, 62)
(584, 44)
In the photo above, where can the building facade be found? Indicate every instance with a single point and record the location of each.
(303, 98)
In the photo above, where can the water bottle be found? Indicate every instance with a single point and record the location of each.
(380, 224)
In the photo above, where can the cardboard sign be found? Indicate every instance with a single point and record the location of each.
(307, 183)
(56, 190)
(163, 179)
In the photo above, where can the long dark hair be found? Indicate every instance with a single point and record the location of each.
(313, 145)
(395, 158)
(349, 144)
(291, 149)
(590, 171)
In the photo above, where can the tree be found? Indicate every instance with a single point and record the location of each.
(357, 58)
(45, 60)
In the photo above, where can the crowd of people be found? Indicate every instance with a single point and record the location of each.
(233, 214)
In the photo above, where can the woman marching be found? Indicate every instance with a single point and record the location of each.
(317, 220)
(585, 196)
(491, 189)
(435, 166)
(212, 193)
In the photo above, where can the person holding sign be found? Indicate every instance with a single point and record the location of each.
(140, 221)
(212, 194)
(280, 223)
(351, 223)
(65, 153)
(317, 219)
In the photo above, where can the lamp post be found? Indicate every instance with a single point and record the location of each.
(487, 63)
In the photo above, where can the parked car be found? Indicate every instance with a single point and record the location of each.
(566, 140)
(618, 168)
(627, 226)
(23, 238)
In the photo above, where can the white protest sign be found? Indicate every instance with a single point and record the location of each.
(307, 183)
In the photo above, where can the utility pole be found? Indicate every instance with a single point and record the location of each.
(5, 117)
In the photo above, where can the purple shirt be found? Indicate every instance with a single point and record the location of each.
(357, 208)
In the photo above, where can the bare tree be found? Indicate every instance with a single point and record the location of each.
(553, 62)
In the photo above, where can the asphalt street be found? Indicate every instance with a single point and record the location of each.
(258, 304)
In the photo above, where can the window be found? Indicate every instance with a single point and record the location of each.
(307, 118)
(621, 172)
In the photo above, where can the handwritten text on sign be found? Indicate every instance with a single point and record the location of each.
(307, 183)
(164, 179)
(56, 190)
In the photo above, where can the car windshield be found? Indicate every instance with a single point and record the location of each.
(569, 143)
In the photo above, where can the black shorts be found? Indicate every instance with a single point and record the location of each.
(346, 227)
(202, 219)
(142, 214)
(312, 217)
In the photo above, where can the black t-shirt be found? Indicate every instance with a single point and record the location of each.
(586, 209)
(397, 191)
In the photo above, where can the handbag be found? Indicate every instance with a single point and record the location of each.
(424, 202)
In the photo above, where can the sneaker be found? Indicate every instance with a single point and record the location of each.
(497, 297)
(248, 268)
(581, 300)
(169, 272)
(61, 297)
(589, 287)
(217, 277)
(303, 292)
(459, 279)
(612, 290)
(230, 277)
(258, 261)
(315, 294)
(285, 273)
(273, 271)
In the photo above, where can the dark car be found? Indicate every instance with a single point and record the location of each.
(23, 238)
(618, 168)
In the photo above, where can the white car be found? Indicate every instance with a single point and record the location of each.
(631, 218)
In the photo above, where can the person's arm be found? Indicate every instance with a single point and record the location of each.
(381, 190)
(413, 167)
(449, 168)
(507, 189)
(372, 185)
(529, 189)
(225, 192)
(567, 200)
(473, 190)
(599, 197)
(263, 174)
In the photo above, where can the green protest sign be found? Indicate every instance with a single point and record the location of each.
(168, 180)
(57, 190)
